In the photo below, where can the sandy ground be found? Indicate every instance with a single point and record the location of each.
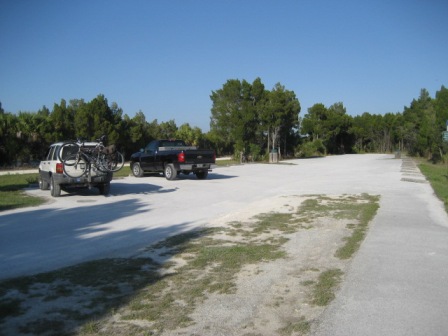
(274, 295)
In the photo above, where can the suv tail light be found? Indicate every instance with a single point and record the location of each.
(59, 168)
(181, 157)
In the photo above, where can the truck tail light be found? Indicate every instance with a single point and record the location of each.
(59, 168)
(214, 157)
(181, 157)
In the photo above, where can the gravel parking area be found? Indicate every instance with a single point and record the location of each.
(141, 211)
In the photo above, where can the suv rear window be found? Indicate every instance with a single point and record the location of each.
(51, 153)
(67, 150)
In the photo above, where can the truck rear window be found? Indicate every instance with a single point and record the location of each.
(172, 144)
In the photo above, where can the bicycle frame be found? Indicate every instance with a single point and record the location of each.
(105, 159)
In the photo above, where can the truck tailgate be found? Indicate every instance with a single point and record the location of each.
(199, 156)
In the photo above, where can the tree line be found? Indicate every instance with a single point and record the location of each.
(25, 136)
(246, 119)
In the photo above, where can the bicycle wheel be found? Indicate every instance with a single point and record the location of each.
(67, 149)
(113, 162)
(100, 163)
(75, 165)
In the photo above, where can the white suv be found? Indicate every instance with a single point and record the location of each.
(51, 174)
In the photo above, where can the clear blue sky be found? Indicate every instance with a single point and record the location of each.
(166, 57)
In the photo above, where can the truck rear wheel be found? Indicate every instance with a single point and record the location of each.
(202, 175)
(170, 172)
(137, 170)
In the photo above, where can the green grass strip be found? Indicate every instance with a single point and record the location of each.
(367, 212)
(437, 175)
(12, 195)
(324, 289)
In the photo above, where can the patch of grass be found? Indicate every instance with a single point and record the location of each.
(11, 194)
(343, 207)
(223, 163)
(437, 175)
(308, 282)
(323, 291)
(123, 172)
(211, 268)
(91, 328)
(32, 179)
(274, 222)
(236, 225)
(10, 307)
(228, 259)
(310, 206)
(365, 213)
(360, 208)
(302, 327)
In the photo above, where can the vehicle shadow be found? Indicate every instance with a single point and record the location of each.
(191, 176)
(211, 176)
(41, 239)
(83, 241)
(118, 189)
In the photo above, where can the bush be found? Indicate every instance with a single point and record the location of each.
(311, 148)
(254, 152)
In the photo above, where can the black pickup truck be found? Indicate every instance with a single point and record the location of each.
(172, 157)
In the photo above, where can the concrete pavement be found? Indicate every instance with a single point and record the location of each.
(398, 282)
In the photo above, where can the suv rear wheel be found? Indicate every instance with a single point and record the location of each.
(43, 185)
(55, 189)
(104, 188)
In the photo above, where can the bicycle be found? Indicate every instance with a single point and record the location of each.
(81, 158)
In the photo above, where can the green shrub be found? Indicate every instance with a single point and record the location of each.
(311, 148)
